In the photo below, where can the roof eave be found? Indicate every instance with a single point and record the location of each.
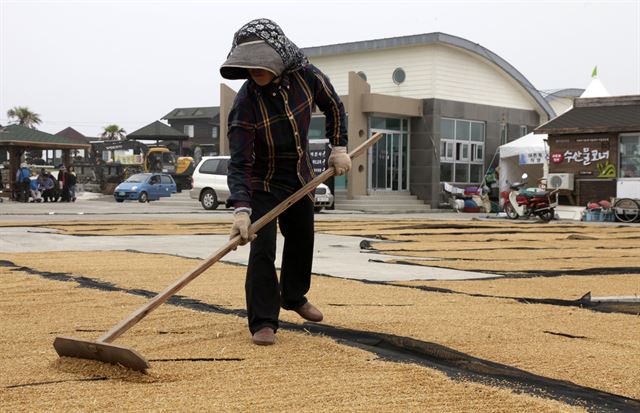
(602, 129)
(46, 145)
(157, 138)
(190, 117)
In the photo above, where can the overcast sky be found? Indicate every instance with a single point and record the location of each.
(86, 64)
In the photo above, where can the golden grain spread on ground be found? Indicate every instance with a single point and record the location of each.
(239, 376)
(142, 227)
(43, 300)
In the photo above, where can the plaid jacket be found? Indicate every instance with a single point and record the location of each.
(267, 132)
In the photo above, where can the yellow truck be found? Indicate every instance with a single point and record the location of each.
(161, 159)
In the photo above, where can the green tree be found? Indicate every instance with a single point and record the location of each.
(24, 116)
(113, 132)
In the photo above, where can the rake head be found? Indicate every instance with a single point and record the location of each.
(96, 350)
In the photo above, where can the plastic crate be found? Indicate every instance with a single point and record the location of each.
(608, 217)
(597, 215)
(592, 215)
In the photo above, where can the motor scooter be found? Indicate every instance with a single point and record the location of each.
(524, 202)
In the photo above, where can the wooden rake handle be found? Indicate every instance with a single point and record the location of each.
(233, 243)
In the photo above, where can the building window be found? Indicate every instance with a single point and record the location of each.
(446, 172)
(188, 130)
(398, 76)
(523, 130)
(629, 156)
(390, 124)
(504, 136)
(446, 151)
(317, 128)
(461, 150)
(362, 75)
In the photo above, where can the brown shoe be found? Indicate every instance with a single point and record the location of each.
(309, 312)
(264, 337)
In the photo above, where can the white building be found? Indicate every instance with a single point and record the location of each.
(444, 103)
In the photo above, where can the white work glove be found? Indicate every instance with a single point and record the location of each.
(241, 224)
(340, 160)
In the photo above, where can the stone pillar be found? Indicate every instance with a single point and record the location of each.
(358, 131)
(227, 96)
(15, 155)
(66, 158)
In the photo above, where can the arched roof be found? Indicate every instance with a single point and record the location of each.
(433, 38)
(561, 93)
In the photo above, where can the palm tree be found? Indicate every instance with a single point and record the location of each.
(24, 116)
(113, 132)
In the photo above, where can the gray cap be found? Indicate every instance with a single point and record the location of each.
(251, 55)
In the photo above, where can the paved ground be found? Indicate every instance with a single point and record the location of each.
(338, 256)
(104, 207)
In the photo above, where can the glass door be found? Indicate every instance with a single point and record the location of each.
(389, 162)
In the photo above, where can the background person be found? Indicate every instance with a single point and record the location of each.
(72, 181)
(63, 180)
(35, 189)
(23, 183)
(48, 184)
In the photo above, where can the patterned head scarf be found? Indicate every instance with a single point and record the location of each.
(272, 34)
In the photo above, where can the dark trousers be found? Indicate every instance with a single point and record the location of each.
(264, 293)
(25, 190)
(65, 194)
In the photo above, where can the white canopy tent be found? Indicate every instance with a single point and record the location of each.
(595, 90)
(527, 154)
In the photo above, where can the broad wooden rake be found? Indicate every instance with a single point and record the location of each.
(103, 350)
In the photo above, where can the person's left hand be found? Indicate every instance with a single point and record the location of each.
(340, 160)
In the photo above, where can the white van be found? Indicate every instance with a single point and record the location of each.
(210, 184)
(210, 181)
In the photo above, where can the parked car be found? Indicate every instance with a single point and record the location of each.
(324, 198)
(210, 184)
(209, 181)
(145, 187)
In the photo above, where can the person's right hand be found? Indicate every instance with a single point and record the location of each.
(241, 224)
(340, 160)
